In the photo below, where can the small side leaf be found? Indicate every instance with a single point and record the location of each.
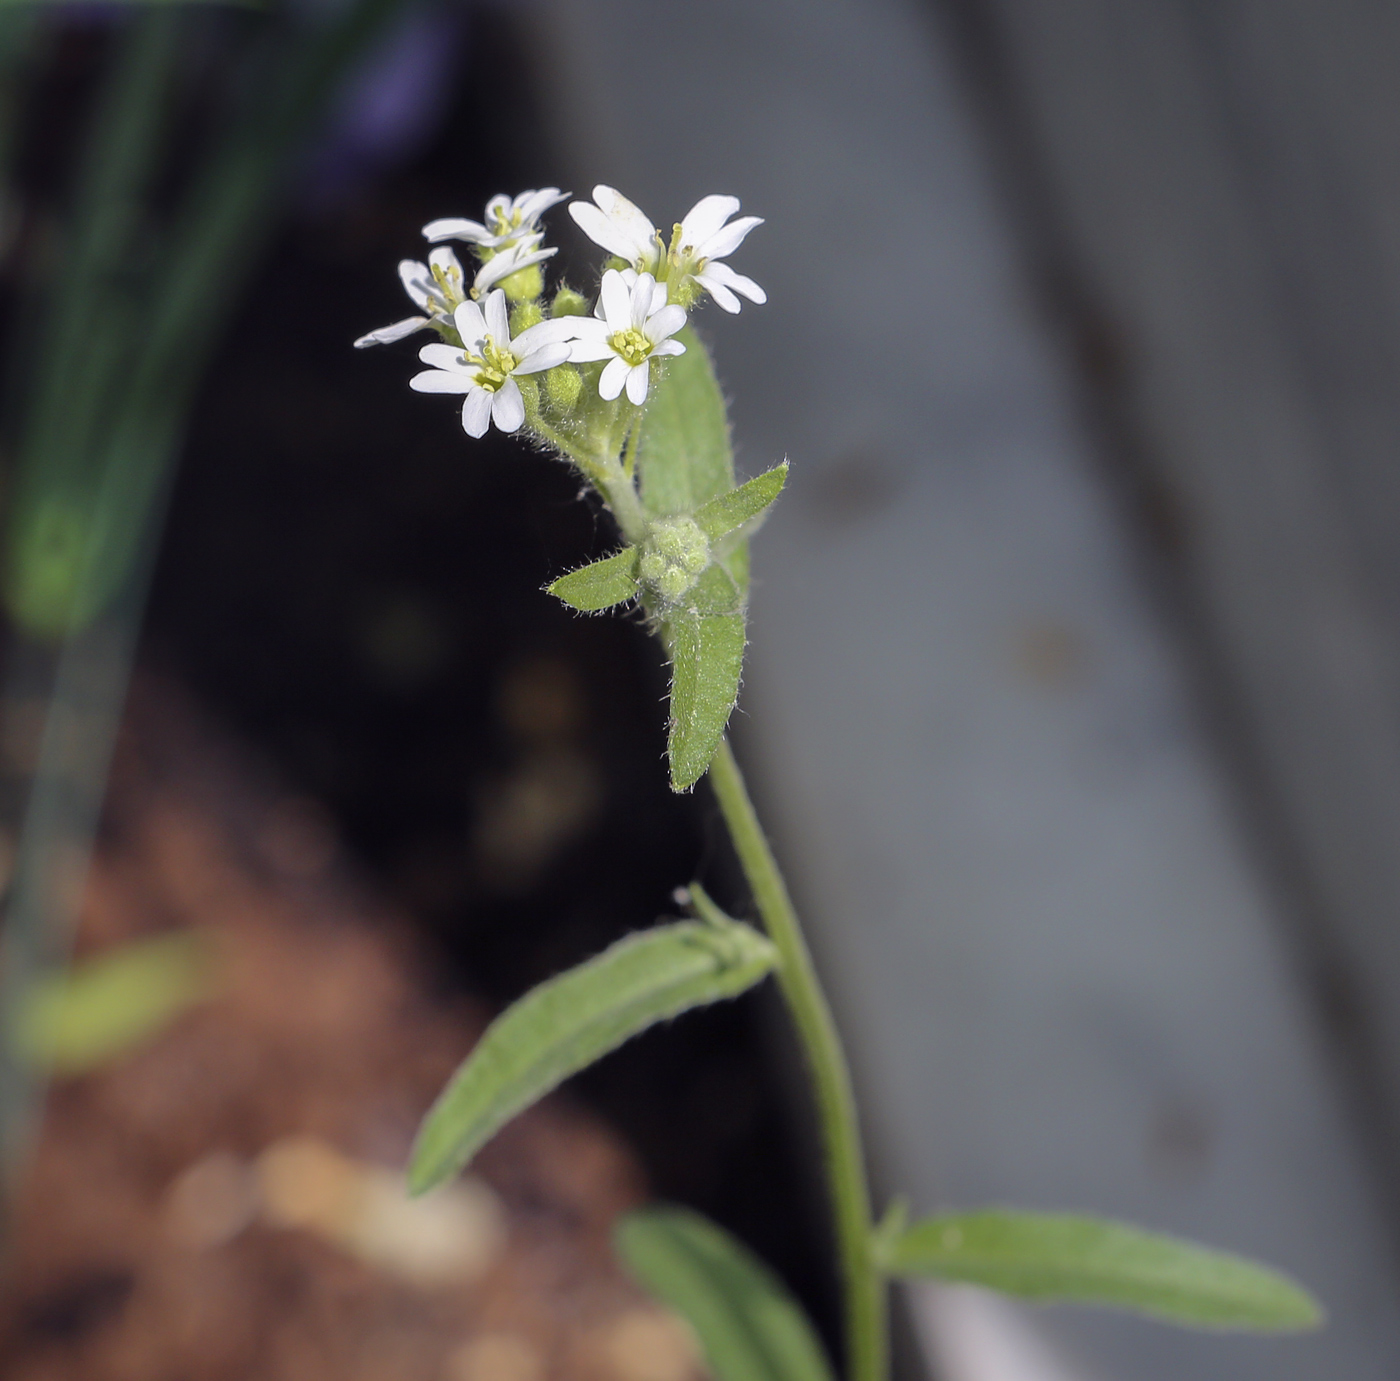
(707, 656)
(1049, 1256)
(99, 1009)
(566, 1024)
(727, 512)
(600, 585)
(683, 454)
(749, 1326)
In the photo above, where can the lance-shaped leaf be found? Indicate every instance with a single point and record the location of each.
(683, 454)
(707, 657)
(566, 1024)
(727, 512)
(99, 1009)
(601, 584)
(750, 1328)
(1044, 1256)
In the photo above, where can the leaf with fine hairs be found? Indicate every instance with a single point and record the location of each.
(567, 1023)
(750, 1328)
(1052, 1256)
(725, 513)
(599, 585)
(707, 657)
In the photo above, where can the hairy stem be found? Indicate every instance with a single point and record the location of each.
(867, 1345)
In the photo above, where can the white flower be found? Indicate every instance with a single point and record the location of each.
(697, 243)
(485, 368)
(632, 324)
(437, 288)
(520, 255)
(507, 220)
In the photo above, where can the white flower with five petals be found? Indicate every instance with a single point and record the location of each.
(437, 288)
(486, 366)
(507, 219)
(690, 261)
(631, 326)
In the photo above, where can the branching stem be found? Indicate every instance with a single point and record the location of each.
(867, 1347)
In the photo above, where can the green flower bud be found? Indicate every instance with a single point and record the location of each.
(674, 556)
(529, 393)
(524, 316)
(524, 285)
(567, 302)
(562, 386)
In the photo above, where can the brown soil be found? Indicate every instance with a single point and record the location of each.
(152, 1240)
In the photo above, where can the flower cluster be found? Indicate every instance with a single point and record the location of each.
(496, 330)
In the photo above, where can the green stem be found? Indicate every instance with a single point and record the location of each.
(867, 1346)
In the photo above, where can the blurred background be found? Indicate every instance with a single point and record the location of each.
(1073, 697)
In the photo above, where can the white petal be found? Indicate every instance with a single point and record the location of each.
(627, 217)
(722, 295)
(471, 325)
(498, 208)
(669, 347)
(497, 317)
(542, 333)
(727, 240)
(589, 348)
(658, 298)
(614, 375)
(546, 357)
(508, 409)
(616, 300)
(387, 335)
(705, 217)
(602, 231)
(442, 356)
(641, 301)
(506, 263)
(665, 323)
(637, 379)
(455, 228)
(436, 381)
(532, 205)
(722, 273)
(417, 282)
(476, 412)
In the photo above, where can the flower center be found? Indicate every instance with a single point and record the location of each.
(631, 344)
(449, 281)
(493, 365)
(506, 221)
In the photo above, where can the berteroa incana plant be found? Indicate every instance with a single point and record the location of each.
(623, 390)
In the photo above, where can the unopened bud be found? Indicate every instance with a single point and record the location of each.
(524, 285)
(562, 386)
(676, 554)
(529, 393)
(526, 315)
(567, 302)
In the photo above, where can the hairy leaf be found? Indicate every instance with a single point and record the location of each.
(566, 1024)
(727, 512)
(683, 455)
(707, 657)
(1047, 1256)
(600, 585)
(105, 1006)
(749, 1326)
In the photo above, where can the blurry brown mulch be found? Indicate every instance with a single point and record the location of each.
(223, 1202)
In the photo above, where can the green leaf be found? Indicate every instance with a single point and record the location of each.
(600, 585)
(683, 455)
(707, 656)
(749, 1326)
(726, 512)
(79, 1020)
(1044, 1256)
(566, 1024)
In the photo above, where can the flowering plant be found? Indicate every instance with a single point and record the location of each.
(624, 391)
